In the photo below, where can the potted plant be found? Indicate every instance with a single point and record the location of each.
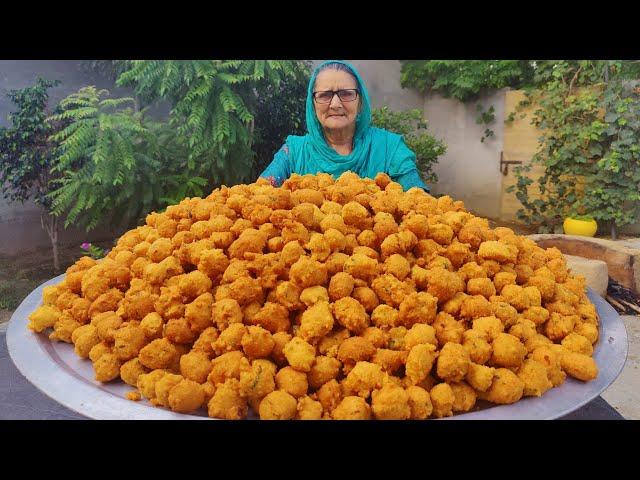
(584, 225)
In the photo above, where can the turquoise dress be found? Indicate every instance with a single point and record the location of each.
(375, 150)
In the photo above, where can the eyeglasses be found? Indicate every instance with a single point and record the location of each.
(346, 95)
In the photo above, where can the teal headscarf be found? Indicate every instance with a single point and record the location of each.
(375, 150)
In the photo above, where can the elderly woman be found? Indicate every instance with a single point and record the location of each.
(340, 136)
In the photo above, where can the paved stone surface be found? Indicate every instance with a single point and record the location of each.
(20, 400)
(624, 393)
(631, 243)
(5, 315)
(595, 272)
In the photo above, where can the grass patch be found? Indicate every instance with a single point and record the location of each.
(13, 292)
(21, 274)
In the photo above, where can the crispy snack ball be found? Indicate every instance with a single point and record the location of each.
(292, 381)
(391, 402)
(160, 353)
(42, 318)
(309, 409)
(332, 298)
(506, 387)
(186, 397)
(352, 408)
(419, 402)
(130, 371)
(227, 402)
(534, 376)
(420, 360)
(278, 405)
(299, 354)
(579, 366)
(465, 397)
(442, 399)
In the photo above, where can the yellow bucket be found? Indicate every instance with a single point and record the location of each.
(586, 228)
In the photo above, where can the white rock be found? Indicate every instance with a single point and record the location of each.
(595, 271)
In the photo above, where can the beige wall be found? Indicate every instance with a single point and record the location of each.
(470, 169)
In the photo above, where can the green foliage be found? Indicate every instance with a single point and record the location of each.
(465, 79)
(279, 112)
(26, 153)
(614, 192)
(412, 126)
(486, 118)
(212, 106)
(93, 251)
(591, 161)
(116, 164)
(584, 218)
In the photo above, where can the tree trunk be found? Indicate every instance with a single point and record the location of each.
(614, 235)
(252, 126)
(50, 225)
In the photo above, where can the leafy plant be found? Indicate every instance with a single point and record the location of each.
(279, 112)
(115, 164)
(94, 251)
(486, 117)
(413, 127)
(614, 195)
(584, 218)
(588, 113)
(27, 154)
(212, 107)
(569, 118)
(465, 80)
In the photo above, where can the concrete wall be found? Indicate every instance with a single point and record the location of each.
(382, 78)
(20, 229)
(469, 171)
(15, 74)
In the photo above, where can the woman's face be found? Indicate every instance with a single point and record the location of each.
(338, 114)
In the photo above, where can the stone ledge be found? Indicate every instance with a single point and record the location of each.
(622, 262)
(595, 272)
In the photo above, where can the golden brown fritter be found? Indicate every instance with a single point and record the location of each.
(326, 298)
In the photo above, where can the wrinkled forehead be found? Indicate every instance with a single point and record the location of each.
(334, 80)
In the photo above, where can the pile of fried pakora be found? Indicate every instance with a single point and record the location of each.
(325, 299)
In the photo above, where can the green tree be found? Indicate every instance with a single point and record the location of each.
(413, 127)
(213, 105)
(115, 164)
(27, 154)
(279, 111)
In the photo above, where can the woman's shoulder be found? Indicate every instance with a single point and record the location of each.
(294, 143)
(383, 134)
(385, 138)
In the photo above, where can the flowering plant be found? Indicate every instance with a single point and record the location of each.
(94, 251)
